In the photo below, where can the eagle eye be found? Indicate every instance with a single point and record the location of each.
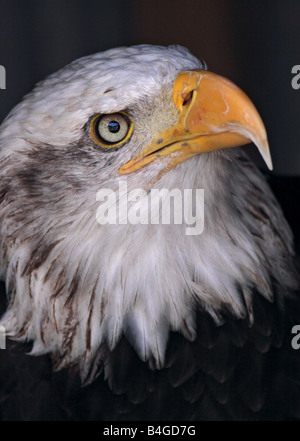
(111, 130)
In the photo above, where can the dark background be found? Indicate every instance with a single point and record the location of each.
(254, 43)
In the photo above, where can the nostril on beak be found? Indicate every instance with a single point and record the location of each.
(187, 99)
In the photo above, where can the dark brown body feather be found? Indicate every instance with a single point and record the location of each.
(232, 372)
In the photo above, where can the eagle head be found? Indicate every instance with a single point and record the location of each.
(141, 118)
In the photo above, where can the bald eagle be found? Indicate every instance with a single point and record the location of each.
(140, 320)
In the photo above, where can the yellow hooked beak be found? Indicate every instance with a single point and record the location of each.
(213, 114)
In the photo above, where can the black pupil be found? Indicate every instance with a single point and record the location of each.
(113, 126)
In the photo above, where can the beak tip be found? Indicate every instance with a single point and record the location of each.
(264, 150)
